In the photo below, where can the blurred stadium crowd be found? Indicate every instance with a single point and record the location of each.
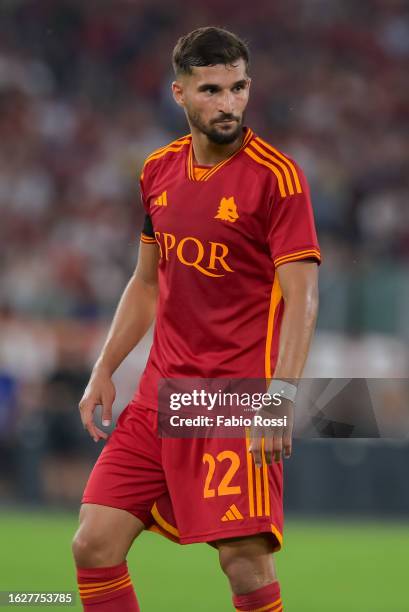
(84, 97)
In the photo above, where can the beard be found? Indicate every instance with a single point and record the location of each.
(214, 131)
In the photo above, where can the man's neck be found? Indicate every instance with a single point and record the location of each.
(207, 153)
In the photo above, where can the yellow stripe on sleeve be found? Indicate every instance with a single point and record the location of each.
(287, 161)
(297, 255)
(174, 149)
(276, 161)
(275, 170)
(183, 140)
(147, 239)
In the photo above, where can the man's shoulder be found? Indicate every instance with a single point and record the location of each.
(277, 165)
(165, 154)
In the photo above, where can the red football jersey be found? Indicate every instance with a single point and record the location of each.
(222, 232)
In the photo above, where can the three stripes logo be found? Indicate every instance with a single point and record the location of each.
(284, 169)
(162, 200)
(258, 485)
(232, 514)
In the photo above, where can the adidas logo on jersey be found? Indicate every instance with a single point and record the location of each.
(162, 200)
(227, 210)
(232, 514)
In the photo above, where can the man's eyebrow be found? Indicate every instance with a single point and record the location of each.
(242, 82)
(205, 86)
(208, 86)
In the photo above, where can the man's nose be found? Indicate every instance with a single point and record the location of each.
(226, 103)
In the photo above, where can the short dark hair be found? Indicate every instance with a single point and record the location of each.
(207, 47)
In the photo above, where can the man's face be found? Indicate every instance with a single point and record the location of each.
(214, 99)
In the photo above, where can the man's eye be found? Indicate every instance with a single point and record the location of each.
(238, 87)
(211, 90)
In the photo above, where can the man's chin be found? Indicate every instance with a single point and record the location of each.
(223, 136)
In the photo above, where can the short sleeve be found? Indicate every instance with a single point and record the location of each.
(147, 234)
(292, 235)
(143, 194)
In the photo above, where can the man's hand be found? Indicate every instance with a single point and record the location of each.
(273, 440)
(100, 391)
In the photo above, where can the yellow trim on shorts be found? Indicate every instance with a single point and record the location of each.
(163, 523)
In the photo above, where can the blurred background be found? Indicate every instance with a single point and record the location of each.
(84, 97)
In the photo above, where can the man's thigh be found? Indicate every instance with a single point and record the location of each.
(216, 491)
(128, 474)
(104, 535)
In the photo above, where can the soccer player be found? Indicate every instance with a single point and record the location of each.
(228, 265)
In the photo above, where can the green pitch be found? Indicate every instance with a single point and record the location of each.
(324, 567)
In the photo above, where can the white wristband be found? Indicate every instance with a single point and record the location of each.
(282, 388)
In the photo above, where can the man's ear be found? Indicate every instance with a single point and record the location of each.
(177, 91)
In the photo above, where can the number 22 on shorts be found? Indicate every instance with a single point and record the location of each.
(224, 488)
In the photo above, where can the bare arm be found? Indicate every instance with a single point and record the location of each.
(135, 312)
(133, 317)
(299, 286)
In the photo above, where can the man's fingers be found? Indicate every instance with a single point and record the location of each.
(99, 392)
(106, 413)
(268, 450)
(278, 445)
(287, 444)
(255, 449)
(108, 398)
(90, 427)
(87, 407)
(94, 431)
(101, 434)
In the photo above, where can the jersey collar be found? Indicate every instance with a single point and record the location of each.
(211, 171)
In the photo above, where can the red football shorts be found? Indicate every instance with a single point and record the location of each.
(191, 490)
